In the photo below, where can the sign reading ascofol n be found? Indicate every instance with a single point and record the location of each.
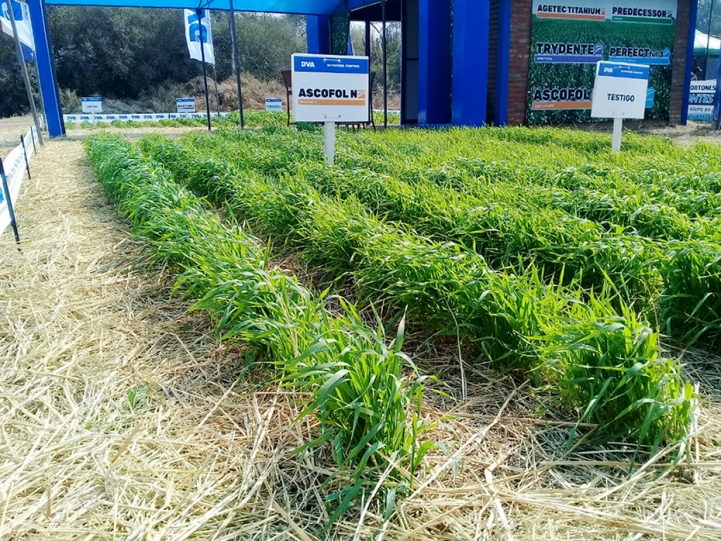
(92, 105)
(273, 105)
(330, 88)
(185, 105)
(702, 98)
(620, 90)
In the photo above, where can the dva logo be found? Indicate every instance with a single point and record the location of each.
(307, 64)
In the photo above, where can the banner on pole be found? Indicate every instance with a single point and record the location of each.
(22, 21)
(198, 30)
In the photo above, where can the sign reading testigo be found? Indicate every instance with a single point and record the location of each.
(620, 90)
(330, 88)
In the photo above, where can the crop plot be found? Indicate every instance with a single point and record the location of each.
(537, 251)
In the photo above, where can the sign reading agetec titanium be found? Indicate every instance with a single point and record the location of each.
(330, 88)
(620, 90)
(92, 105)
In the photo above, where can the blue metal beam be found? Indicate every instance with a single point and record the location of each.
(434, 66)
(317, 31)
(46, 69)
(470, 61)
(689, 61)
(297, 7)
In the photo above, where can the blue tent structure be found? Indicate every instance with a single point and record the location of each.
(427, 71)
(463, 62)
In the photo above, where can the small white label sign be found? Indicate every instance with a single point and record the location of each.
(273, 105)
(330, 88)
(92, 105)
(185, 105)
(620, 90)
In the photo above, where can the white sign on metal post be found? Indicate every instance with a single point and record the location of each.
(273, 105)
(620, 92)
(92, 106)
(185, 105)
(330, 89)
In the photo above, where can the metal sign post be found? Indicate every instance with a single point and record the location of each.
(329, 141)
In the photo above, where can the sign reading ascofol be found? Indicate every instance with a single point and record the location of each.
(273, 105)
(92, 105)
(620, 90)
(701, 100)
(568, 38)
(330, 88)
(185, 105)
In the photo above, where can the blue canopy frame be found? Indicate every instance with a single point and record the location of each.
(294, 7)
(318, 10)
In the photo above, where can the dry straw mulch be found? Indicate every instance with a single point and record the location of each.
(122, 418)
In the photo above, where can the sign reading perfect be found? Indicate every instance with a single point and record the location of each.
(620, 90)
(330, 88)
(92, 105)
(568, 38)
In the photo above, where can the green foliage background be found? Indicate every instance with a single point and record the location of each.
(610, 34)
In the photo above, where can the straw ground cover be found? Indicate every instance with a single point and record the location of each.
(123, 418)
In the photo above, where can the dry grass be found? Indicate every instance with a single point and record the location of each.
(123, 418)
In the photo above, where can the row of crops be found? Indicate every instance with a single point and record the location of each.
(537, 250)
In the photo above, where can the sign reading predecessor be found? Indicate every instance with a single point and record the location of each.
(330, 88)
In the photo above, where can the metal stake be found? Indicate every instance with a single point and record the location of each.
(236, 63)
(385, 67)
(199, 12)
(9, 202)
(24, 69)
(27, 163)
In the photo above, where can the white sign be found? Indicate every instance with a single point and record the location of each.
(620, 90)
(197, 29)
(21, 11)
(330, 88)
(273, 105)
(701, 100)
(92, 105)
(185, 105)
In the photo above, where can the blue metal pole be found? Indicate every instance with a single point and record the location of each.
(689, 61)
(46, 69)
(470, 61)
(318, 34)
(503, 63)
(434, 62)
